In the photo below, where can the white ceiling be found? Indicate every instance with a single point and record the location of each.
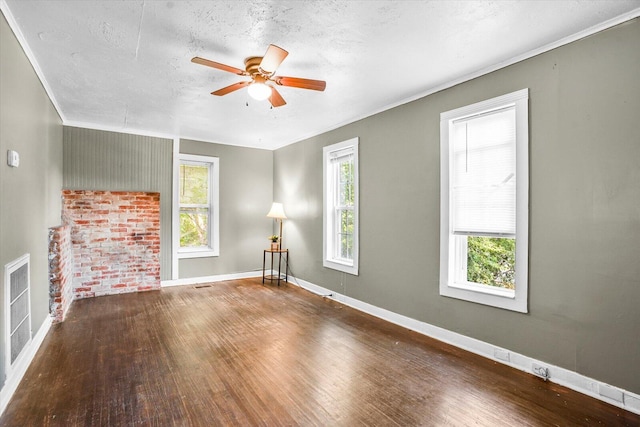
(125, 65)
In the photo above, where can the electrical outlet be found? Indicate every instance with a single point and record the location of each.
(540, 370)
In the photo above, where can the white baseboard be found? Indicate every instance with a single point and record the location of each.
(209, 279)
(18, 371)
(570, 379)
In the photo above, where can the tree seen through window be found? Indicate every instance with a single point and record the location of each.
(491, 261)
(194, 205)
(344, 209)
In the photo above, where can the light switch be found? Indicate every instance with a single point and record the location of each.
(13, 158)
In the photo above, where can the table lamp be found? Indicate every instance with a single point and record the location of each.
(277, 213)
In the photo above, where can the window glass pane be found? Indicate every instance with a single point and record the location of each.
(344, 249)
(346, 221)
(194, 227)
(491, 261)
(194, 184)
(345, 182)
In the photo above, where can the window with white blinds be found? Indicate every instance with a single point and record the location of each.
(484, 202)
(340, 219)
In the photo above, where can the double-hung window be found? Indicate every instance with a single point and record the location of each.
(484, 202)
(341, 206)
(198, 206)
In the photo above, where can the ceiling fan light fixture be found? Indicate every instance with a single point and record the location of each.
(261, 70)
(259, 91)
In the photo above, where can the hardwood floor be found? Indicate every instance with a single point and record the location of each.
(240, 353)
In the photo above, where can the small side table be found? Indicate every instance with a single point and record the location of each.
(286, 264)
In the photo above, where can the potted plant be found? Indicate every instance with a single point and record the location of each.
(274, 241)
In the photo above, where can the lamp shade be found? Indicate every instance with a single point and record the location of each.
(258, 90)
(277, 211)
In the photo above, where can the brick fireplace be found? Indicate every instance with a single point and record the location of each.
(60, 272)
(114, 241)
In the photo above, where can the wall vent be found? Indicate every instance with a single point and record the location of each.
(17, 308)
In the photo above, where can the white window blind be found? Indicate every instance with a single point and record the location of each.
(483, 174)
(345, 154)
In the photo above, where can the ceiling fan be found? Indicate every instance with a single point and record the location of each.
(262, 71)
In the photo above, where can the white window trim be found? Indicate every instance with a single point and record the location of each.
(214, 186)
(510, 300)
(327, 260)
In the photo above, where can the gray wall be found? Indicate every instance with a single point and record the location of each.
(30, 194)
(100, 160)
(246, 184)
(584, 280)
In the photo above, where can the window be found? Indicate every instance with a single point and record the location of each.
(341, 206)
(198, 206)
(484, 202)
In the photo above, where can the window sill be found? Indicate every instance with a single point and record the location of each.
(341, 266)
(202, 253)
(500, 298)
(484, 289)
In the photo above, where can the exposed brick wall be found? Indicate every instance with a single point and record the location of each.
(115, 240)
(60, 272)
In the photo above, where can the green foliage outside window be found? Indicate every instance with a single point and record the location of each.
(346, 234)
(194, 205)
(193, 228)
(346, 214)
(491, 261)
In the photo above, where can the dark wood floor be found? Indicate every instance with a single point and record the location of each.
(239, 353)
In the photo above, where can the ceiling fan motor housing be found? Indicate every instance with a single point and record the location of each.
(252, 65)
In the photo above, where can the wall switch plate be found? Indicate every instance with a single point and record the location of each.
(13, 158)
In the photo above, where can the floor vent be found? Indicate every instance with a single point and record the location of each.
(17, 308)
(201, 286)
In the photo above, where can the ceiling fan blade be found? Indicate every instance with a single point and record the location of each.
(219, 66)
(273, 58)
(230, 88)
(276, 99)
(301, 83)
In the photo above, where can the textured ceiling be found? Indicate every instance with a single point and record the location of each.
(125, 65)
